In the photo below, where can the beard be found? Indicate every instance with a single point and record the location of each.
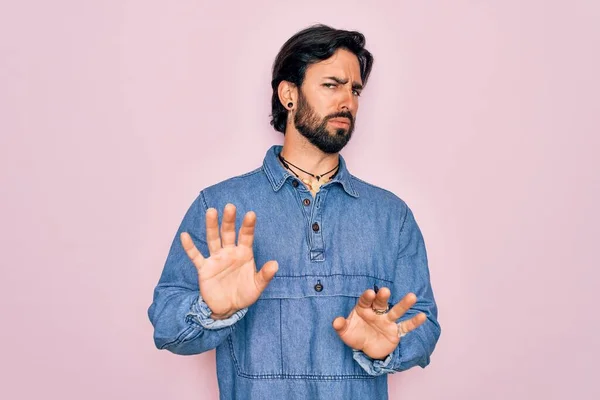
(313, 128)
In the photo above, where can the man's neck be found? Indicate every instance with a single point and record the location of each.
(299, 151)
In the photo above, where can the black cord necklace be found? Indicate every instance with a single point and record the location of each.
(318, 184)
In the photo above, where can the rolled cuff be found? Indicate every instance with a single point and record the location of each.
(372, 366)
(200, 314)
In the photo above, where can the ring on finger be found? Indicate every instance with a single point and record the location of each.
(381, 312)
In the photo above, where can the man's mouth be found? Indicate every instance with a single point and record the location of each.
(341, 122)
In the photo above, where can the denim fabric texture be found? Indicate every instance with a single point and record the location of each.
(350, 237)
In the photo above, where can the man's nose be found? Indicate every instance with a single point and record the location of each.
(348, 102)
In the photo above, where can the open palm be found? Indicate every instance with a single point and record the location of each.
(228, 279)
(377, 335)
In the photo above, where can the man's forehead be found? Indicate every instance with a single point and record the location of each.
(342, 64)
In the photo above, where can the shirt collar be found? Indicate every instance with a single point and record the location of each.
(277, 174)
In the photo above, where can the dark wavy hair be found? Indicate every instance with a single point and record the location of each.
(309, 46)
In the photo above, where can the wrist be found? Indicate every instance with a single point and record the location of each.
(377, 357)
(217, 317)
(201, 314)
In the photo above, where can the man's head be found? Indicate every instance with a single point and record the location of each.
(317, 78)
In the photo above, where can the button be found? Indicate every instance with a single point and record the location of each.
(318, 286)
(295, 183)
(315, 227)
(306, 202)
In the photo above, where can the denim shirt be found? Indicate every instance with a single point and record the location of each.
(350, 237)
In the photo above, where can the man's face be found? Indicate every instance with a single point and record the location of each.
(328, 101)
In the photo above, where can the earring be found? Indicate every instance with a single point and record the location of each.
(290, 104)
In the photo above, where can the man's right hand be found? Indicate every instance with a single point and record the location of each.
(228, 279)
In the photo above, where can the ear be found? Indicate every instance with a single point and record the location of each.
(288, 93)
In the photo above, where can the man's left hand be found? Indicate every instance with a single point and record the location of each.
(376, 333)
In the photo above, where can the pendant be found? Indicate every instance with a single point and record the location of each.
(307, 183)
(316, 185)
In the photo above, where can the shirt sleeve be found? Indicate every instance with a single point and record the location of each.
(411, 275)
(180, 317)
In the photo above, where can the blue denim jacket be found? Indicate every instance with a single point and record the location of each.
(351, 237)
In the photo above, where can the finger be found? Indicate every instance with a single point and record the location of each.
(340, 325)
(228, 226)
(191, 250)
(213, 240)
(266, 273)
(246, 236)
(413, 323)
(402, 307)
(366, 299)
(381, 299)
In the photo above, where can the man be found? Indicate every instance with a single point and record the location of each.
(314, 322)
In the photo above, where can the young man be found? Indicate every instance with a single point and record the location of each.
(315, 321)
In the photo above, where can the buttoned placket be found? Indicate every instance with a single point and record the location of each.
(312, 211)
(317, 244)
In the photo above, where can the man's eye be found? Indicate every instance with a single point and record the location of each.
(356, 93)
(329, 85)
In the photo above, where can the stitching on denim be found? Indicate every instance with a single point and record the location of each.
(298, 196)
(347, 188)
(204, 201)
(255, 171)
(235, 361)
(325, 276)
(318, 211)
(282, 181)
(178, 339)
(404, 221)
(398, 258)
(352, 190)
(377, 187)
(268, 173)
(192, 337)
(305, 376)
(281, 336)
(276, 184)
(192, 319)
(351, 296)
(289, 376)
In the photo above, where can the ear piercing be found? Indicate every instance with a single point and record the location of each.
(290, 104)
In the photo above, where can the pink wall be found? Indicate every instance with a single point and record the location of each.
(482, 115)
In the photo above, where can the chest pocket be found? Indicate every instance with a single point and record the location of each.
(288, 332)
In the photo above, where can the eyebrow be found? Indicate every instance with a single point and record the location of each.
(355, 85)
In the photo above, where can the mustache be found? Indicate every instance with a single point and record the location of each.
(341, 114)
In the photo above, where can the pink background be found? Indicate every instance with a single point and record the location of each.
(482, 115)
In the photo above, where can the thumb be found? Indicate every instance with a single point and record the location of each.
(340, 324)
(266, 273)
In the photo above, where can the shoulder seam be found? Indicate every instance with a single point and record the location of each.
(377, 187)
(255, 171)
(203, 200)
